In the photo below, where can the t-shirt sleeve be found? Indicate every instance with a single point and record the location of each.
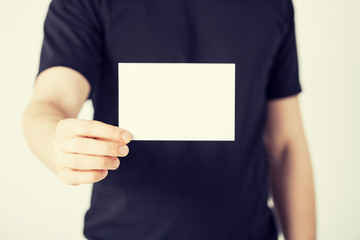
(284, 75)
(73, 38)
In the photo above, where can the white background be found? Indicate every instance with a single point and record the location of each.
(34, 204)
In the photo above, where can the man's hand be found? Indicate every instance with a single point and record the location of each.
(85, 150)
(78, 151)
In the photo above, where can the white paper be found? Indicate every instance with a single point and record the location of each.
(177, 101)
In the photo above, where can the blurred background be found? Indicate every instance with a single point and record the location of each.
(35, 204)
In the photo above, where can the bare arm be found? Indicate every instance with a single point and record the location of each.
(62, 142)
(59, 93)
(290, 169)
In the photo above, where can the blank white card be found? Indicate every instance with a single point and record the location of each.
(177, 101)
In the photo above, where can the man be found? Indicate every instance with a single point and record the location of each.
(175, 189)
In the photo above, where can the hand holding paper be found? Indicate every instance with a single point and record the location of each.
(84, 150)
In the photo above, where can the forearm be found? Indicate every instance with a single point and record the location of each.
(39, 123)
(293, 190)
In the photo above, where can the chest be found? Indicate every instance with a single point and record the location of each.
(245, 32)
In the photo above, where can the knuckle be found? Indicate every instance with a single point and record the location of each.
(63, 145)
(62, 161)
(94, 123)
(103, 163)
(117, 133)
(58, 166)
(86, 129)
(63, 127)
(66, 177)
(60, 125)
(63, 123)
(72, 161)
(77, 145)
(108, 148)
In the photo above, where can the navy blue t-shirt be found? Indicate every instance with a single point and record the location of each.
(181, 190)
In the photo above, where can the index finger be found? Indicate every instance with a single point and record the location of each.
(95, 129)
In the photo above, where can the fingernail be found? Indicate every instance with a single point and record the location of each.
(123, 150)
(126, 137)
(116, 162)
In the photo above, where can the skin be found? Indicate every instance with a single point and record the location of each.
(290, 169)
(77, 151)
(83, 151)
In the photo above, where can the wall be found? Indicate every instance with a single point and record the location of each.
(35, 204)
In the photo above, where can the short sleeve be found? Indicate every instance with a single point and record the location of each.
(284, 75)
(73, 38)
